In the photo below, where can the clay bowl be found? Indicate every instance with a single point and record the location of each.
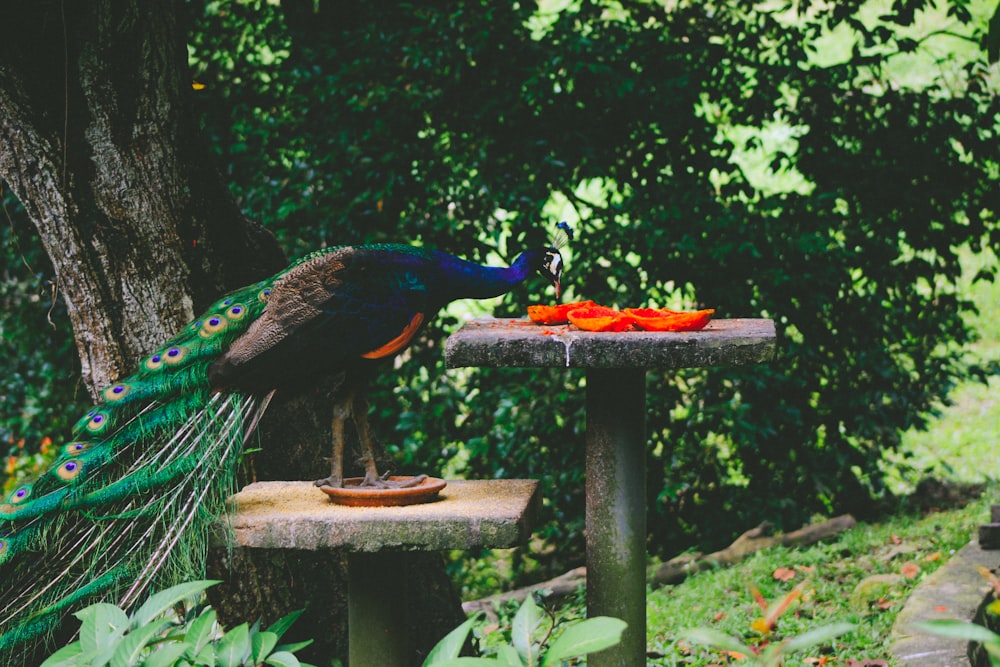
(353, 495)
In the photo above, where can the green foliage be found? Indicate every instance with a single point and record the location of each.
(530, 645)
(464, 124)
(37, 354)
(819, 164)
(972, 632)
(772, 654)
(157, 635)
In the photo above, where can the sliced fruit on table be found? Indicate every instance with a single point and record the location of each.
(599, 318)
(557, 314)
(662, 319)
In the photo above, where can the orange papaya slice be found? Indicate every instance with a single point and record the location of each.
(599, 318)
(662, 319)
(542, 314)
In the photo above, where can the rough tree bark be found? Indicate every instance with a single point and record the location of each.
(100, 145)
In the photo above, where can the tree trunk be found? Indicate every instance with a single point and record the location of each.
(100, 145)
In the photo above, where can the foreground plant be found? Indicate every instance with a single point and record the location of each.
(529, 645)
(155, 636)
(767, 652)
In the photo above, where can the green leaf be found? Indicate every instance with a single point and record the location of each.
(165, 599)
(166, 656)
(294, 648)
(958, 630)
(283, 659)
(715, 639)
(471, 662)
(102, 626)
(507, 655)
(233, 647)
(589, 636)
(526, 620)
(261, 645)
(67, 656)
(818, 636)
(132, 645)
(451, 644)
(280, 627)
(200, 632)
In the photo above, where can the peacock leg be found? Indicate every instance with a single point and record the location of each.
(372, 478)
(341, 411)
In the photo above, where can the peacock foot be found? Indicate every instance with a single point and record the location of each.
(333, 481)
(374, 481)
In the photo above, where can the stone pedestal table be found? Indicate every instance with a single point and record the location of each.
(615, 366)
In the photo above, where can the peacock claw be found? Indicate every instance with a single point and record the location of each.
(331, 481)
(383, 482)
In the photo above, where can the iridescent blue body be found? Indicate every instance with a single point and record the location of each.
(128, 504)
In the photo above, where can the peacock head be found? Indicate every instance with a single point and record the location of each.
(552, 268)
(552, 261)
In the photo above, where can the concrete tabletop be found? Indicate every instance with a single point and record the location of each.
(297, 515)
(520, 343)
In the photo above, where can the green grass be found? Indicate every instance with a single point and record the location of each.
(830, 574)
(959, 445)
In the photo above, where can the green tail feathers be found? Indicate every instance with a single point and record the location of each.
(146, 473)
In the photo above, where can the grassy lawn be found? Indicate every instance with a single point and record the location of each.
(960, 445)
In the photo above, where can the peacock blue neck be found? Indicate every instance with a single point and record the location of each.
(467, 279)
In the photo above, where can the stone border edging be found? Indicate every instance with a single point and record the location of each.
(954, 591)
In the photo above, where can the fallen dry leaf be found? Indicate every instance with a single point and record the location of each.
(910, 570)
(784, 574)
(934, 557)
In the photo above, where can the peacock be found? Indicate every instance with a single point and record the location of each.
(128, 505)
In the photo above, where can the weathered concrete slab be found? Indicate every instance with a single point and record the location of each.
(297, 515)
(954, 591)
(520, 343)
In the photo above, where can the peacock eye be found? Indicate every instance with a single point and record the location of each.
(236, 312)
(116, 392)
(69, 470)
(212, 326)
(75, 448)
(175, 355)
(20, 495)
(264, 294)
(154, 362)
(97, 422)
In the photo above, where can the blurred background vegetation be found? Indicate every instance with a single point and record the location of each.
(827, 165)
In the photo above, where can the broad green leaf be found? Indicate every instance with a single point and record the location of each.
(261, 645)
(102, 625)
(67, 656)
(283, 659)
(233, 647)
(200, 632)
(294, 648)
(132, 645)
(589, 636)
(715, 639)
(166, 656)
(523, 627)
(470, 662)
(507, 655)
(165, 599)
(820, 635)
(280, 627)
(958, 630)
(451, 644)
